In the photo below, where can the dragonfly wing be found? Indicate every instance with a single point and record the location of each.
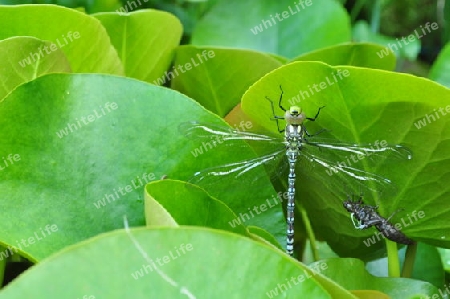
(240, 172)
(353, 163)
(196, 130)
(226, 138)
(340, 176)
(378, 150)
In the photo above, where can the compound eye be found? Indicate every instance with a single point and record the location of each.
(295, 110)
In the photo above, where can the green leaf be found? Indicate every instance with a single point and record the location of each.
(260, 234)
(226, 75)
(57, 25)
(407, 47)
(18, 64)
(440, 71)
(189, 205)
(370, 295)
(350, 274)
(355, 54)
(427, 265)
(3, 262)
(81, 164)
(256, 25)
(323, 250)
(445, 258)
(145, 41)
(101, 6)
(161, 263)
(357, 110)
(446, 31)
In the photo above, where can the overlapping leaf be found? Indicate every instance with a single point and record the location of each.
(86, 145)
(159, 263)
(440, 71)
(406, 110)
(216, 77)
(279, 27)
(355, 54)
(75, 33)
(145, 41)
(19, 62)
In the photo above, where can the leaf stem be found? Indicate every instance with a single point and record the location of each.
(410, 257)
(376, 16)
(309, 232)
(359, 4)
(393, 261)
(2, 268)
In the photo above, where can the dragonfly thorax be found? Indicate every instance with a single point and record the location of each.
(293, 135)
(294, 116)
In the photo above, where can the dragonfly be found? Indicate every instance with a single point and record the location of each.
(365, 216)
(324, 159)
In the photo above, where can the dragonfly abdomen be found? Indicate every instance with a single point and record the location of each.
(292, 159)
(390, 232)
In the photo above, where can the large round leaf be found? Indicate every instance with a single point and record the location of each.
(81, 37)
(281, 27)
(172, 263)
(355, 54)
(407, 110)
(78, 150)
(217, 78)
(144, 40)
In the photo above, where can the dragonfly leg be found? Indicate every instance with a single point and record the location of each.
(281, 97)
(399, 210)
(317, 114)
(371, 222)
(275, 117)
(356, 223)
(317, 133)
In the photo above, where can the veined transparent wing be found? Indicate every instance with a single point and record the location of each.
(270, 148)
(351, 164)
(379, 149)
(217, 133)
(241, 171)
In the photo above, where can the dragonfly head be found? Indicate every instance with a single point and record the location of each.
(352, 205)
(294, 116)
(348, 205)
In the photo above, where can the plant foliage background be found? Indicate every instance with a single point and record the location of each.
(95, 198)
